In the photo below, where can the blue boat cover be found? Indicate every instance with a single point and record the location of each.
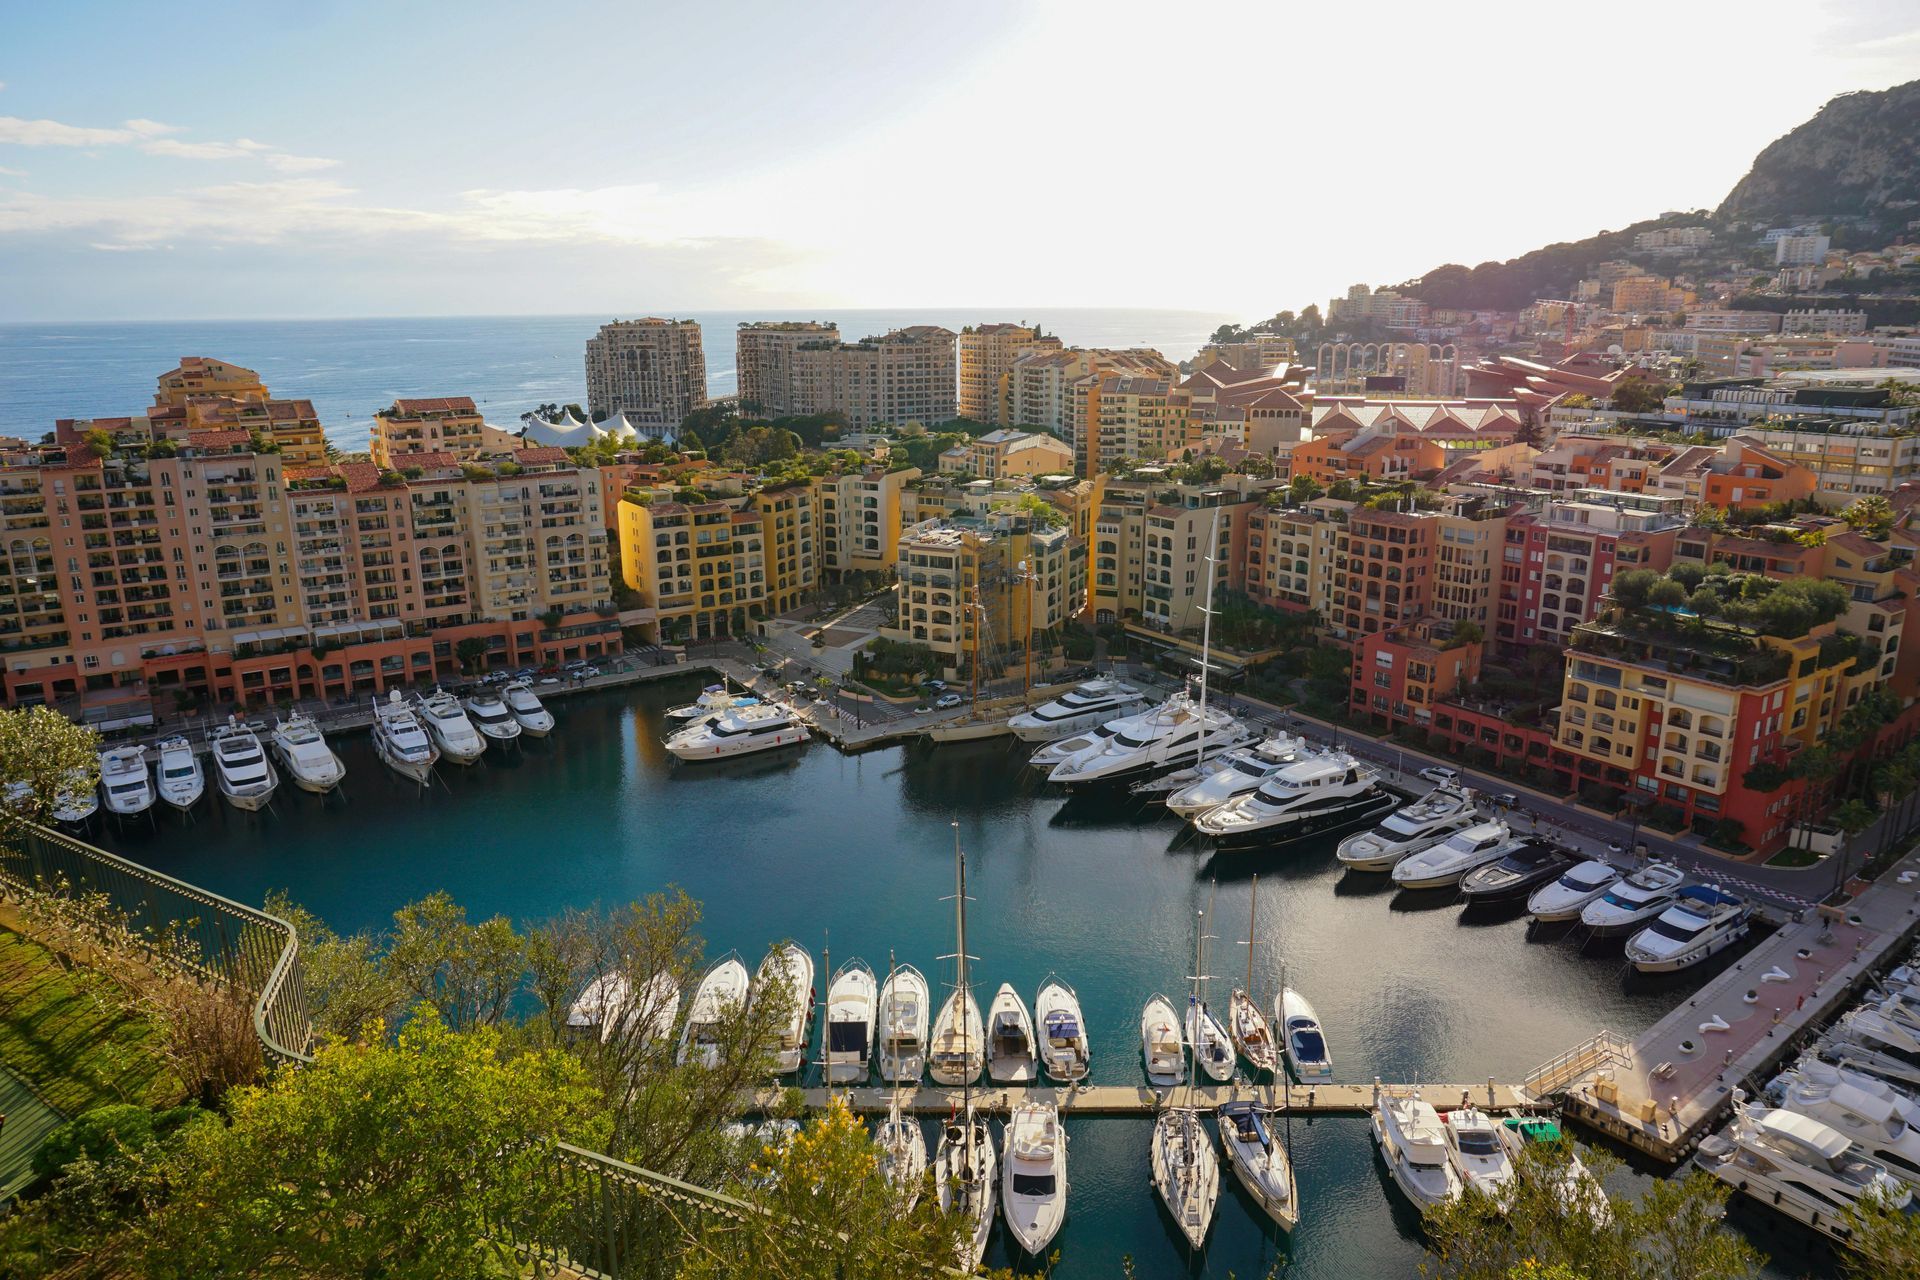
(1061, 1026)
(1706, 893)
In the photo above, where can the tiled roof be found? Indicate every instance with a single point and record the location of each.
(541, 455)
(445, 404)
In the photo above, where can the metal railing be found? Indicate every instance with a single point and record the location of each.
(1576, 1064)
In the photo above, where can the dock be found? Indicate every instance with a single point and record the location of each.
(1662, 1091)
(1145, 1100)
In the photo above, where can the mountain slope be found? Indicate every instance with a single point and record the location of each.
(1859, 157)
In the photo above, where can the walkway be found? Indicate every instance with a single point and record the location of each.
(28, 1122)
(1143, 1100)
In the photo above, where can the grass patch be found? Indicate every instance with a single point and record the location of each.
(1793, 858)
(66, 1034)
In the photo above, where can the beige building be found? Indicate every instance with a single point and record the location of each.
(1046, 390)
(763, 354)
(212, 395)
(900, 377)
(449, 424)
(1291, 553)
(985, 355)
(651, 370)
(860, 518)
(700, 567)
(1148, 558)
(1145, 419)
(986, 582)
(1001, 455)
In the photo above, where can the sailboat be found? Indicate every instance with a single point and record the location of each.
(965, 1160)
(1185, 1172)
(1259, 1160)
(1251, 1035)
(903, 1153)
(1212, 1047)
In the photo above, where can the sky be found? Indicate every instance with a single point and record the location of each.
(336, 158)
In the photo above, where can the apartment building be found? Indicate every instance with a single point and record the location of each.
(652, 370)
(1402, 673)
(1148, 531)
(1641, 294)
(1557, 563)
(1741, 322)
(985, 355)
(900, 377)
(985, 583)
(1145, 419)
(860, 518)
(790, 539)
(446, 424)
(212, 395)
(1002, 455)
(701, 567)
(763, 355)
(1380, 457)
(1255, 351)
(1045, 390)
(1801, 250)
(1291, 553)
(1833, 321)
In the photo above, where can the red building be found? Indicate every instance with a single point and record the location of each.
(1559, 562)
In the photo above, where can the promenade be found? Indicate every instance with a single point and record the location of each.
(1144, 1100)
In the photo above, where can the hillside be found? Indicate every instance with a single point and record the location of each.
(1858, 158)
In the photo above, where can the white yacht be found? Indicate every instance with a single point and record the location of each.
(790, 963)
(1814, 1072)
(1010, 1043)
(1056, 753)
(1260, 1162)
(965, 1169)
(721, 994)
(1804, 1169)
(1308, 797)
(852, 1005)
(1635, 900)
(400, 741)
(1565, 898)
(1439, 814)
(442, 715)
(1479, 1154)
(1413, 1142)
(305, 755)
(1033, 1165)
(1234, 774)
(714, 698)
(1085, 706)
(241, 769)
(958, 1050)
(1302, 1037)
(77, 800)
(1703, 921)
(739, 732)
(903, 1026)
(180, 780)
(1185, 1172)
(1212, 1045)
(1065, 1053)
(1161, 1043)
(1443, 864)
(125, 782)
(1167, 737)
(607, 1008)
(534, 719)
(903, 1153)
(1879, 1121)
(488, 713)
(1869, 1040)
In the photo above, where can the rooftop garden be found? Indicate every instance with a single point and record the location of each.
(1711, 619)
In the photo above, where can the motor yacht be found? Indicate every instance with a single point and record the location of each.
(400, 741)
(1260, 1161)
(1525, 868)
(1448, 862)
(1480, 1157)
(1868, 1040)
(1413, 1142)
(1186, 1172)
(1251, 1034)
(1703, 921)
(1437, 815)
(714, 698)
(125, 782)
(903, 1021)
(1010, 1043)
(1879, 1125)
(1637, 899)
(852, 1006)
(1167, 737)
(1580, 1191)
(534, 719)
(1033, 1166)
(1302, 1037)
(739, 732)
(181, 783)
(487, 711)
(1801, 1167)
(1815, 1072)
(1065, 1053)
(241, 769)
(1234, 775)
(606, 1007)
(1083, 707)
(444, 718)
(789, 966)
(1161, 1043)
(77, 800)
(720, 995)
(1308, 797)
(965, 1171)
(305, 755)
(959, 1047)
(1055, 753)
(903, 1153)
(1578, 885)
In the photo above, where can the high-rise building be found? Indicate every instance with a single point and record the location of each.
(903, 376)
(212, 395)
(651, 370)
(983, 583)
(446, 424)
(985, 355)
(763, 354)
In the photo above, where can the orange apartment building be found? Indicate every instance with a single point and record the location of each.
(1365, 458)
(1403, 673)
(212, 395)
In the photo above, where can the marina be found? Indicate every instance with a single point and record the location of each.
(1324, 1099)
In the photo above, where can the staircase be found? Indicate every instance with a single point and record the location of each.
(1576, 1064)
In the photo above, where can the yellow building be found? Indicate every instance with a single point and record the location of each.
(790, 534)
(211, 395)
(701, 567)
(985, 355)
(1001, 455)
(1148, 558)
(986, 583)
(1146, 419)
(1291, 553)
(450, 424)
(860, 518)
(197, 376)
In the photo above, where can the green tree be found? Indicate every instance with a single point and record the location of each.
(1667, 594)
(1886, 1242)
(1637, 395)
(48, 753)
(468, 973)
(349, 991)
(1871, 515)
(469, 651)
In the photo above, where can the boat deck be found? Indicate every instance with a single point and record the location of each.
(1144, 1100)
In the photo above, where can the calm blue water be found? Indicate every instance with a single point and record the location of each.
(350, 369)
(859, 848)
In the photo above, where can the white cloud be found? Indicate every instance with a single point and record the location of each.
(12, 173)
(123, 248)
(51, 133)
(284, 163)
(151, 137)
(152, 128)
(194, 150)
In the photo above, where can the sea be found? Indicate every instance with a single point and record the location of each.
(853, 854)
(351, 369)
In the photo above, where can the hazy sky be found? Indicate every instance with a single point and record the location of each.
(336, 158)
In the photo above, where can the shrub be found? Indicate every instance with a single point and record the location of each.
(106, 1131)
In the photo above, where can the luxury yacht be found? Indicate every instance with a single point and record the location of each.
(714, 698)
(1578, 885)
(1413, 1142)
(964, 1173)
(305, 755)
(1815, 1072)
(1478, 1153)
(959, 1047)
(1804, 1169)
(1234, 775)
(1437, 815)
(1010, 1047)
(1535, 862)
(400, 741)
(1308, 797)
(443, 717)
(488, 712)
(1033, 1165)
(1056, 753)
(1185, 1172)
(124, 781)
(535, 720)
(1083, 707)
(1064, 1051)
(180, 780)
(852, 1000)
(1449, 861)
(1634, 901)
(903, 1026)
(739, 732)
(77, 800)
(241, 769)
(1302, 1037)
(1868, 1040)
(1879, 1121)
(1260, 1161)
(1167, 737)
(721, 993)
(903, 1153)
(790, 962)
(1703, 921)
(1161, 1043)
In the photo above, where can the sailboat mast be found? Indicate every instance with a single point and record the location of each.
(1252, 915)
(960, 965)
(1206, 636)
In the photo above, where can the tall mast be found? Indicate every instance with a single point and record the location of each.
(964, 996)
(1252, 915)
(977, 613)
(1206, 637)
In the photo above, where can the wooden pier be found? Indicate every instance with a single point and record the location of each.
(1144, 1100)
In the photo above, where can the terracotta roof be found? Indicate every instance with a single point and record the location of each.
(360, 476)
(427, 460)
(445, 404)
(541, 454)
(1858, 544)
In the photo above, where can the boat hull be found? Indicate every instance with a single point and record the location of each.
(252, 802)
(1283, 1210)
(1279, 835)
(1689, 958)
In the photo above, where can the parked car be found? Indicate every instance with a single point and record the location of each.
(1507, 800)
(582, 671)
(1441, 776)
(948, 700)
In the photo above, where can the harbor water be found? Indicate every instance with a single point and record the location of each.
(856, 852)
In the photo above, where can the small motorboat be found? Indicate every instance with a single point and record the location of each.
(305, 755)
(181, 782)
(1010, 1047)
(125, 782)
(1065, 1054)
(1413, 1142)
(77, 799)
(1033, 1164)
(1580, 1191)
(902, 1021)
(1161, 1044)
(1439, 814)
(1479, 1154)
(1702, 922)
(1569, 895)
(1302, 1037)
(241, 769)
(535, 720)
(1259, 1161)
(852, 1006)
(488, 713)
(790, 968)
(1533, 863)
(1185, 1172)
(720, 995)
(1632, 902)
(400, 741)
(714, 698)
(1441, 865)
(443, 716)
(606, 1008)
